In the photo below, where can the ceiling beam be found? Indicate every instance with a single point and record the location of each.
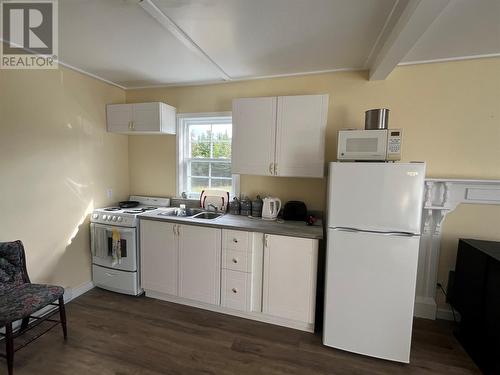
(178, 33)
(414, 20)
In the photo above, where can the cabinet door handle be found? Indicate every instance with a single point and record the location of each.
(271, 168)
(235, 260)
(130, 125)
(234, 290)
(235, 240)
(174, 229)
(276, 169)
(265, 240)
(178, 230)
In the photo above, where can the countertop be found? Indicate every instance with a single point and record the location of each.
(287, 228)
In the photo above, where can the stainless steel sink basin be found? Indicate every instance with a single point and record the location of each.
(207, 215)
(175, 212)
(167, 213)
(192, 213)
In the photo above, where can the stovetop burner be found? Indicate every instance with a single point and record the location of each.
(112, 209)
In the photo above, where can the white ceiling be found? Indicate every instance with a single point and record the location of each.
(119, 41)
(465, 28)
(263, 37)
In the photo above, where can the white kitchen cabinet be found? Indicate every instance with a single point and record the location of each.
(159, 256)
(181, 260)
(279, 136)
(300, 135)
(289, 288)
(265, 277)
(254, 135)
(119, 117)
(242, 254)
(141, 118)
(200, 263)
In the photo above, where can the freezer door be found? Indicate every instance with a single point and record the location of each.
(370, 293)
(384, 197)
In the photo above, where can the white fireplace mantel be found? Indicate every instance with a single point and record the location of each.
(441, 197)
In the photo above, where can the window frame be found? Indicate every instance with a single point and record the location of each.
(182, 139)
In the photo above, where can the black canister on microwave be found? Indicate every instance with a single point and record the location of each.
(234, 206)
(257, 207)
(245, 206)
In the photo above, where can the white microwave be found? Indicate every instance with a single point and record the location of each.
(376, 145)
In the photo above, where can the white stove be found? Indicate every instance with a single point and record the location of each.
(127, 217)
(115, 262)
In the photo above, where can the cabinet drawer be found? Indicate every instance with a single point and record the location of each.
(235, 260)
(236, 240)
(115, 280)
(235, 290)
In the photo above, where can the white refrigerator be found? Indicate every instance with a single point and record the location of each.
(374, 215)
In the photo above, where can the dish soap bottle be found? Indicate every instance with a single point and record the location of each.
(182, 210)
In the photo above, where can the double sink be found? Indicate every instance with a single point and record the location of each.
(193, 213)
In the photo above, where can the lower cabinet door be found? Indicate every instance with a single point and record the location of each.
(289, 289)
(158, 256)
(200, 263)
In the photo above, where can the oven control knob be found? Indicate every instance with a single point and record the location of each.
(109, 217)
(95, 216)
(119, 219)
(114, 218)
(104, 217)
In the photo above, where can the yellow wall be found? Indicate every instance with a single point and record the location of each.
(56, 162)
(450, 113)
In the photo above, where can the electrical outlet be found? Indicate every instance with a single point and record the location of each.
(109, 193)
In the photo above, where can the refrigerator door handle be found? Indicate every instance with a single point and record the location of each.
(400, 234)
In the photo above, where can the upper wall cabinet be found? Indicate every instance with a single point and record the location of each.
(141, 118)
(280, 136)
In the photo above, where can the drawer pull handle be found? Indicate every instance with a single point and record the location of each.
(234, 290)
(235, 240)
(235, 260)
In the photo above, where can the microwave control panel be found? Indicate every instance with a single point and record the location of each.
(394, 139)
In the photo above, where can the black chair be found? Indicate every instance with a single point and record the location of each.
(19, 299)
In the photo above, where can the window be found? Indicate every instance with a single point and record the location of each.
(204, 152)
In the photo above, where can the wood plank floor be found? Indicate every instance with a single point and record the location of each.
(115, 334)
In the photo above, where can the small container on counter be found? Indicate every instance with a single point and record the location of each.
(245, 206)
(182, 210)
(234, 206)
(257, 207)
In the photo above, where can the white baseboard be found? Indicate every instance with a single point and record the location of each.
(72, 293)
(445, 313)
(425, 307)
(303, 326)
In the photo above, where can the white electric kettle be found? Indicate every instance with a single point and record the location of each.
(270, 208)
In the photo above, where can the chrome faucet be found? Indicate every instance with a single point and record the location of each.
(213, 206)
